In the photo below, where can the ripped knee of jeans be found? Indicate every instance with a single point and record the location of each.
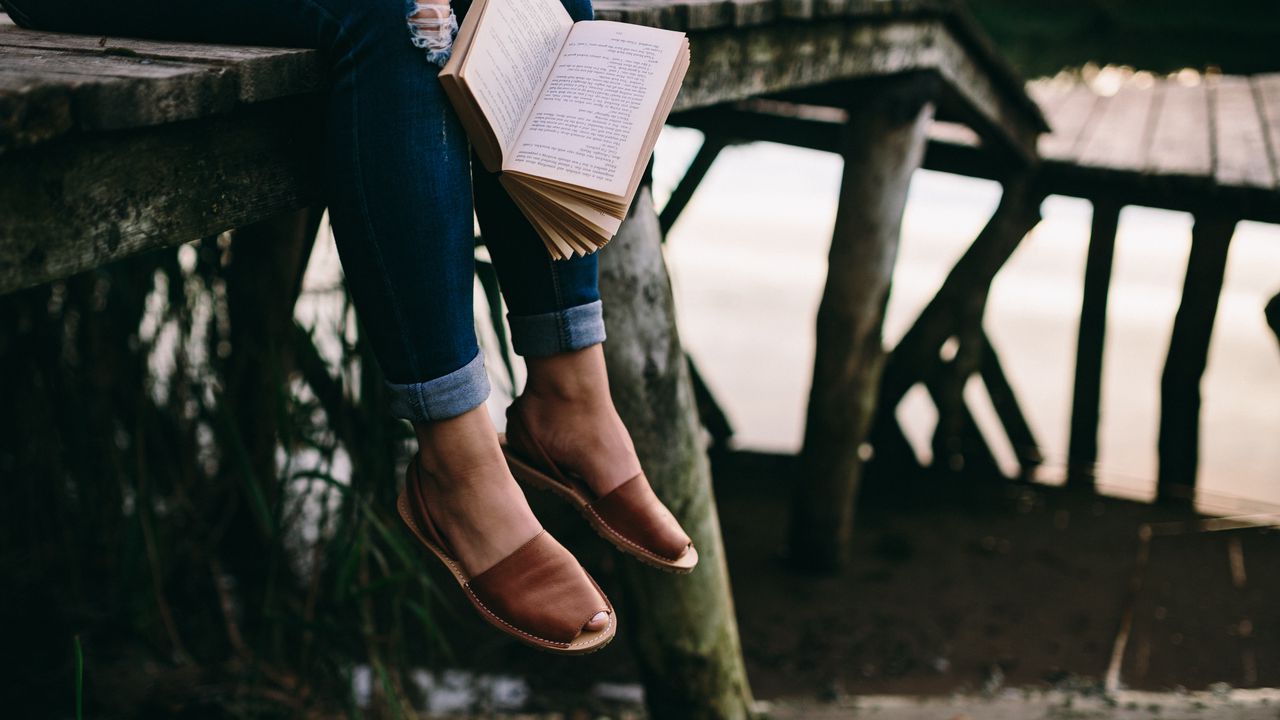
(432, 27)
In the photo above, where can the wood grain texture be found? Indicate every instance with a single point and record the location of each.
(1212, 145)
(260, 73)
(83, 203)
(739, 47)
(56, 83)
(1266, 91)
(1180, 139)
(1069, 118)
(737, 64)
(1239, 141)
(93, 93)
(1122, 131)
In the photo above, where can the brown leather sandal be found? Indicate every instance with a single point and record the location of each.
(630, 516)
(539, 594)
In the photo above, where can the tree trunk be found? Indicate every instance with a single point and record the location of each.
(682, 627)
(882, 145)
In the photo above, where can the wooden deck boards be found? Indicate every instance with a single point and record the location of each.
(1220, 129)
(1180, 143)
(1192, 143)
(93, 94)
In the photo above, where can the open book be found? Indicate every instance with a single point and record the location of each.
(568, 112)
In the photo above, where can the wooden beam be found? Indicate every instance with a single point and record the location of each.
(1179, 441)
(81, 203)
(712, 144)
(736, 64)
(958, 444)
(964, 291)
(94, 82)
(1012, 419)
(882, 146)
(710, 413)
(1082, 454)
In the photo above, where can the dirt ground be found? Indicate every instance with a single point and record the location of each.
(960, 586)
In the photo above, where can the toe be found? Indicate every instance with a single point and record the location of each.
(598, 622)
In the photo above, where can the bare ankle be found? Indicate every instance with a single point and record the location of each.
(458, 445)
(574, 376)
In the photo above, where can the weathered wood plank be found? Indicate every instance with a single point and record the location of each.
(111, 92)
(796, 9)
(738, 52)
(1069, 121)
(1240, 146)
(1266, 88)
(704, 14)
(32, 111)
(93, 92)
(82, 203)
(736, 65)
(639, 12)
(1180, 138)
(746, 13)
(262, 73)
(1118, 138)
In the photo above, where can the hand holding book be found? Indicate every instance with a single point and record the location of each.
(567, 112)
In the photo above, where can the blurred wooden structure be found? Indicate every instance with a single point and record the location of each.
(866, 80)
(1207, 145)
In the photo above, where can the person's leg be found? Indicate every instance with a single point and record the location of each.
(556, 320)
(398, 189)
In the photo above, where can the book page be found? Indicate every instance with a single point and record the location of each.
(589, 122)
(515, 44)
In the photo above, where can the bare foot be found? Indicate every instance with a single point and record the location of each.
(470, 494)
(570, 412)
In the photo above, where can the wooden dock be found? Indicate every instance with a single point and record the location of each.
(1208, 145)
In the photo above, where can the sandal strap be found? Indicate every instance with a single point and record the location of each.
(418, 505)
(524, 443)
(540, 589)
(634, 511)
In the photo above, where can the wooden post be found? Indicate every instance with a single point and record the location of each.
(263, 281)
(882, 144)
(683, 628)
(698, 167)
(1087, 395)
(964, 292)
(1010, 412)
(1179, 442)
(1273, 315)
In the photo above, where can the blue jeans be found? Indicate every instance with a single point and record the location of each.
(399, 187)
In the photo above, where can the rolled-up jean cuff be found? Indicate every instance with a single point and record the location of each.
(556, 332)
(443, 397)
